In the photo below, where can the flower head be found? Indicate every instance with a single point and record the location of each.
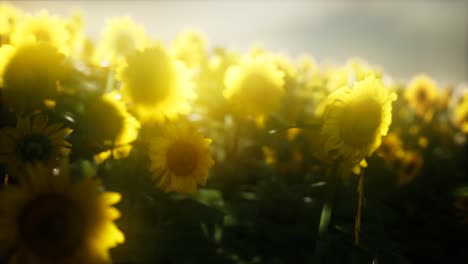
(111, 126)
(42, 28)
(421, 94)
(33, 141)
(29, 74)
(190, 47)
(180, 158)
(9, 18)
(156, 86)
(355, 119)
(255, 86)
(47, 219)
(120, 36)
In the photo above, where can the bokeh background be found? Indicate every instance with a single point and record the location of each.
(403, 37)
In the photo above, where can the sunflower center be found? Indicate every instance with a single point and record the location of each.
(182, 158)
(410, 167)
(34, 147)
(421, 95)
(52, 227)
(151, 78)
(360, 122)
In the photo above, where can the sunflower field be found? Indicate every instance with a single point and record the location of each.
(130, 150)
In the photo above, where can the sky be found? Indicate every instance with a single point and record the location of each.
(402, 37)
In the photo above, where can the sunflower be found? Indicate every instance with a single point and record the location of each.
(120, 36)
(42, 28)
(255, 86)
(190, 47)
(29, 74)
(355, 119)
(180, 158)
(156, 86)
(9, 18)
(31, 141)
(460, 115)
(353, 71)
(47, 219)
(107, 120)
(421, 95)
(410, 166)
(391, 148)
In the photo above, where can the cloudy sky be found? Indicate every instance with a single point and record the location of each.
(403, 37)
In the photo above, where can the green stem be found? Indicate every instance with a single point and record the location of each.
(327, 212)
(360, 194)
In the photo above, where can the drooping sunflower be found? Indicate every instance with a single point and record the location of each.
(421, 94)
(33, 140)
(255, 86)
(120, 36)
(47, 219)
(356, 118)
(156, 86)
(42, 28)
(9, 18)
(180, 158)
(29, 74)
(111, 126)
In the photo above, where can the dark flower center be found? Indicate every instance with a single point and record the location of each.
(34, 147)
(52, 226)
(182, 158)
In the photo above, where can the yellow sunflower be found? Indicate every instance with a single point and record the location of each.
(353, 71)
(156, 86)
(391, 148)
(42, 28)
(180, 159)
(9, 18)
(355, 119)
(190, 47)
(31, 141)
(460, 115)
(120, 36)
(255, 86)
(47, 219)
(410, 166)
(421, 94)
(29, 74)
(107, 120)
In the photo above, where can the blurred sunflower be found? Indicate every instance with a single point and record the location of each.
(190, 47)
(156, 86)
(180, 159)
(391, 148)
(74, 26)
(460, 115)
(120, 36)
(9, 18)
(255, 86)
(42, 28)
(355, 119)
(410, 166)
(421, 95)
(107, 120)
(32, 141)
(46, 219)
(29, 74)
(353, 71)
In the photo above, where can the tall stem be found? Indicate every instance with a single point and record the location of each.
(357, 223)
